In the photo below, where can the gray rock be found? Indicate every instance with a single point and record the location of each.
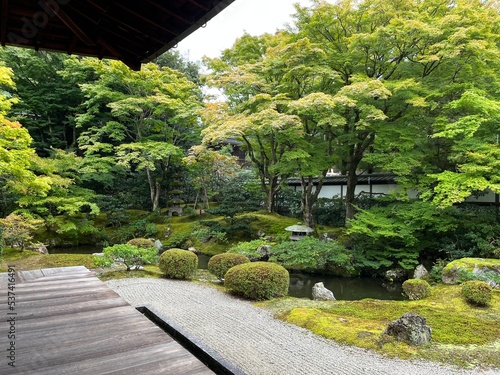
(397, 274)
(320, 293)
(420, 272)
(98, 254)
(410, 328)
(159, 245)
(39, 248)
(264, 251)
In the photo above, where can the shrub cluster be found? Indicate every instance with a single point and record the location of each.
(416, 289)
(219, 264)
(178, 263)
(143, 243)
(130, 255)
(477, 292)
(258, 280)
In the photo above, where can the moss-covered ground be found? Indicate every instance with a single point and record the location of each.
(462, 335)
(30, 260)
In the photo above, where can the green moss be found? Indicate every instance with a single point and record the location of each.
(470, 334)
(30, 260)
(470, 263)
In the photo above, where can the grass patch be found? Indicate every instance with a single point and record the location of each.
(462, 335)
(30, 260)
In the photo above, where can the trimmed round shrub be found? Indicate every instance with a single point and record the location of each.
(477, 292)
(258, 280)
(219, 264)
(142, 243)
(178, 263)
(416, 289)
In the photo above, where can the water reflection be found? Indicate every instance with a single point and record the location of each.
(345, 288)
(301, 284)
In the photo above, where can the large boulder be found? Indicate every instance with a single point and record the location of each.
(410, 328)
(480, 267)
(420, 272)
(320, 293)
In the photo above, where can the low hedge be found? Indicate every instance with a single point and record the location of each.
(178, 263)
(258, 280)
(219, 264)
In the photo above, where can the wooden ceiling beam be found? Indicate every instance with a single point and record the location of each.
(4, 20)
(69, 22)
(145, 19)
(168, 11)
(199, 5)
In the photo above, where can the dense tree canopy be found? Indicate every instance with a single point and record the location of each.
(407, 87)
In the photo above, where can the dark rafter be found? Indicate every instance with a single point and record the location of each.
(130, 31)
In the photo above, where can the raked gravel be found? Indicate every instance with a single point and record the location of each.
(256, 343)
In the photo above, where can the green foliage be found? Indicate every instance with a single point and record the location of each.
(131, 256)
(142, 228)
(219, 264)
(311, 253)
(249, 248)
(477, 292)
(178, 240)
(258, 280)
(143, 243)
(487, 276)
(416, 289)
(178, 264)
(210, 234)
(398, 233)
(18, 230)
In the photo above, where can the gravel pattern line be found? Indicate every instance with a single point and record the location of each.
(251, 339)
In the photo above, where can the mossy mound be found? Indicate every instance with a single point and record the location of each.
(258, 280)
(461, 334)
(178, 264)
(219, 264)
(452, 272)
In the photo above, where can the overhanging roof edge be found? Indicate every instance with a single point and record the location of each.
(223, 4)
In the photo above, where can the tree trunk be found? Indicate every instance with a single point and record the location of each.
(352, 181)
(309, 197)
(154, 190)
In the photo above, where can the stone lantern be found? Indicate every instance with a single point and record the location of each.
(299, 231)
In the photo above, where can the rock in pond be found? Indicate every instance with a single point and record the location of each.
(320, 293)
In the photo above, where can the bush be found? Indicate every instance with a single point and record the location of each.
(311, 253)
(130, 255)
(258, 280)
(416, 289)
(219, 264)
(249, 249)
(178, 263)
(477, 292)
(142, 243)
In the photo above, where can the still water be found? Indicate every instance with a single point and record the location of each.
(301, 284)
(343, 288)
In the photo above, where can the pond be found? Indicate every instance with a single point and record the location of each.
(343, 288)
(301, 283)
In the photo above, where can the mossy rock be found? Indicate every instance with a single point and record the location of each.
(451, 273)
(416, 289)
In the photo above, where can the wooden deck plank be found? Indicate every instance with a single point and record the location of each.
(69, 322)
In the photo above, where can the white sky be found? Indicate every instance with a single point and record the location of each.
(256, 17)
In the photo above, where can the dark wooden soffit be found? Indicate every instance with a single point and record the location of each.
(134, 32)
